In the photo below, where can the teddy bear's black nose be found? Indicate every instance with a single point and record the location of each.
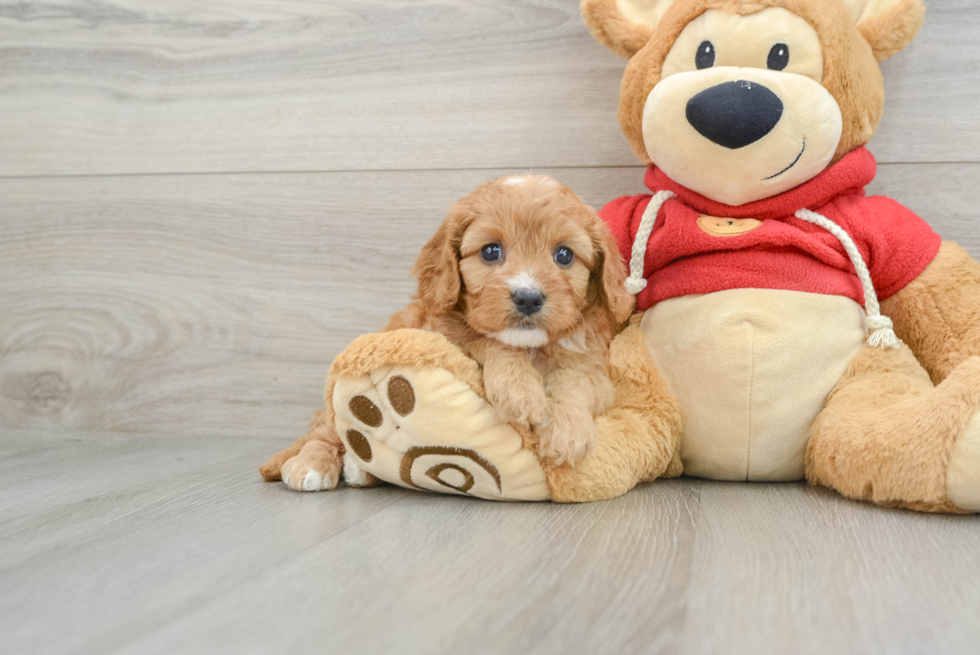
(735, 114)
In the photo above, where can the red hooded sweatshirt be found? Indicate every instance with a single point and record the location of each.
(700, 246)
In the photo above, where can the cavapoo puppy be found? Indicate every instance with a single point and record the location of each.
(526, 279)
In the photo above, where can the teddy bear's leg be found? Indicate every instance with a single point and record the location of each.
(636, 441)
(888, 435)
(451, 425)
(938, 313)
(411, 409)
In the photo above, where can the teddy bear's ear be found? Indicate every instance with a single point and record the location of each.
(888, 25)
(623, 26)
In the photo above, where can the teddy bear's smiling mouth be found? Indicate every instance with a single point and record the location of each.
(795, 162)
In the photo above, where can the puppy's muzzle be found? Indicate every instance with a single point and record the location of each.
(528, 301)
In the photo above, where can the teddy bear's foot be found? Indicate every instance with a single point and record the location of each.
(409, 408)
(888, 435)
(410, 412)
(963, 474)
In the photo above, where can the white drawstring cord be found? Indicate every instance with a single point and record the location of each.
(636, 283)
(881, 327)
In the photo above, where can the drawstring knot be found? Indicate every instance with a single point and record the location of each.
(882, 330)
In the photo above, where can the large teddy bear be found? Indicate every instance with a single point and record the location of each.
(804, 329)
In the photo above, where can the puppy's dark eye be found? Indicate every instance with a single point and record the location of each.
(779, 57)
(564, 256)
(706, 55)
(491, 252)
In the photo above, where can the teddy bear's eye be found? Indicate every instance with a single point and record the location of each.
(779, 57)
(706, 55)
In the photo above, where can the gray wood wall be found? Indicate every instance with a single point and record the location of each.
(201, 203)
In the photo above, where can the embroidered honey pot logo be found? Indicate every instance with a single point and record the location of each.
(727, 227)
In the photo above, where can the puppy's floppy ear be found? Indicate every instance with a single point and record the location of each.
(888, 25)
(623, 26)
(437, 267)
(609, 277)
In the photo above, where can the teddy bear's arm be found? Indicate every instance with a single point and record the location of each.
(938, 313)
(637, 440)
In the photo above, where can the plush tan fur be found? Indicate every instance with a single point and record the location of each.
(613, 30)
(888, 26)
(890, 31)
(886, 433)
(938, 314)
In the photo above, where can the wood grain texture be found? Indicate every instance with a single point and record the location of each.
(187, 305)
(137, 86)
(863, 580)
(130, 544)
(102, 541)
(183, 305)
(204, 202)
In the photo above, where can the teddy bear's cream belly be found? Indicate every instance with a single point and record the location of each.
(752, 368)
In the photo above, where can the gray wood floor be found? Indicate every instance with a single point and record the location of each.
(116, 543)
(201, 203)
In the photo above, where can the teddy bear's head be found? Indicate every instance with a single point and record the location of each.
(741, 100)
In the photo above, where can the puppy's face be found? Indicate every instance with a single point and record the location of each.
(526, 261)
(528, 258)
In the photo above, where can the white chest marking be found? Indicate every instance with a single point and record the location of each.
(522, 338)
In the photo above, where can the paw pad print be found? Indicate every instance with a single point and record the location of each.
(358, 443)
(366, 411)
(401, 395)
(427, 430)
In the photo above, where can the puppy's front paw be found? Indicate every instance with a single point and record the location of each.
(567, 437)
(301, 473)
(520, 401)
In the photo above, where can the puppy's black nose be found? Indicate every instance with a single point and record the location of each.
(735, 114)
(528, 301)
